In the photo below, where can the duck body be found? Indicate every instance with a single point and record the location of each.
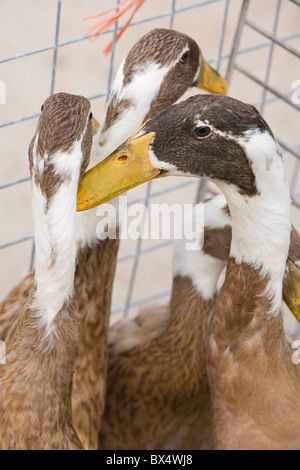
(255, 401)
(12, 305)
(36, 380)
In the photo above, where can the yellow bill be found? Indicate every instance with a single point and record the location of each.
(210, 80)
(291, 290)
(127, 167)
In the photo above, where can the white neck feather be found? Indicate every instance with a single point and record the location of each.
(203, 270)
(140, 93)
(55, 239)
(261, 224)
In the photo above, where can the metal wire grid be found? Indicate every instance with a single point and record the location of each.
(55, 47)
(269, 41)
(277, 95)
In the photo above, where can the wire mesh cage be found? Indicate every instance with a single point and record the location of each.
(255, 45)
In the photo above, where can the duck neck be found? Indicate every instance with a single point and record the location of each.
(194, 289)
(188, 306)
(93, 284)
(55, 240)
(246, 338)
(261, 226)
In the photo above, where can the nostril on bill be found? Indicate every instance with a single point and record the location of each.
(122, 158)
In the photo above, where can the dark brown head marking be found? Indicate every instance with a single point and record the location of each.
(217, 157)
(63, 120)
(160, 47)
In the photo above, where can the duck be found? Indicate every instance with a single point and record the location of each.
(36, 379)
(139, 347)
(157, 387)
(158, 69)
(255, 403)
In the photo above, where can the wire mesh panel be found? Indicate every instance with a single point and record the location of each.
(255, 45)
(270, 94)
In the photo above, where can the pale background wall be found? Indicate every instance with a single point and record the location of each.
(83, 69)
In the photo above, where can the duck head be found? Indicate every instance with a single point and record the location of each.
(156, 72)
(168, 62)
(62, 143)
(202, 136)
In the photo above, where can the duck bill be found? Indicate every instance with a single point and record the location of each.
(291, 290)
(210, 80)
(124, 169)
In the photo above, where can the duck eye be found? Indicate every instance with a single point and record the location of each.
(184, 56)
(90, 116)
(203, 131)
(42, 107)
